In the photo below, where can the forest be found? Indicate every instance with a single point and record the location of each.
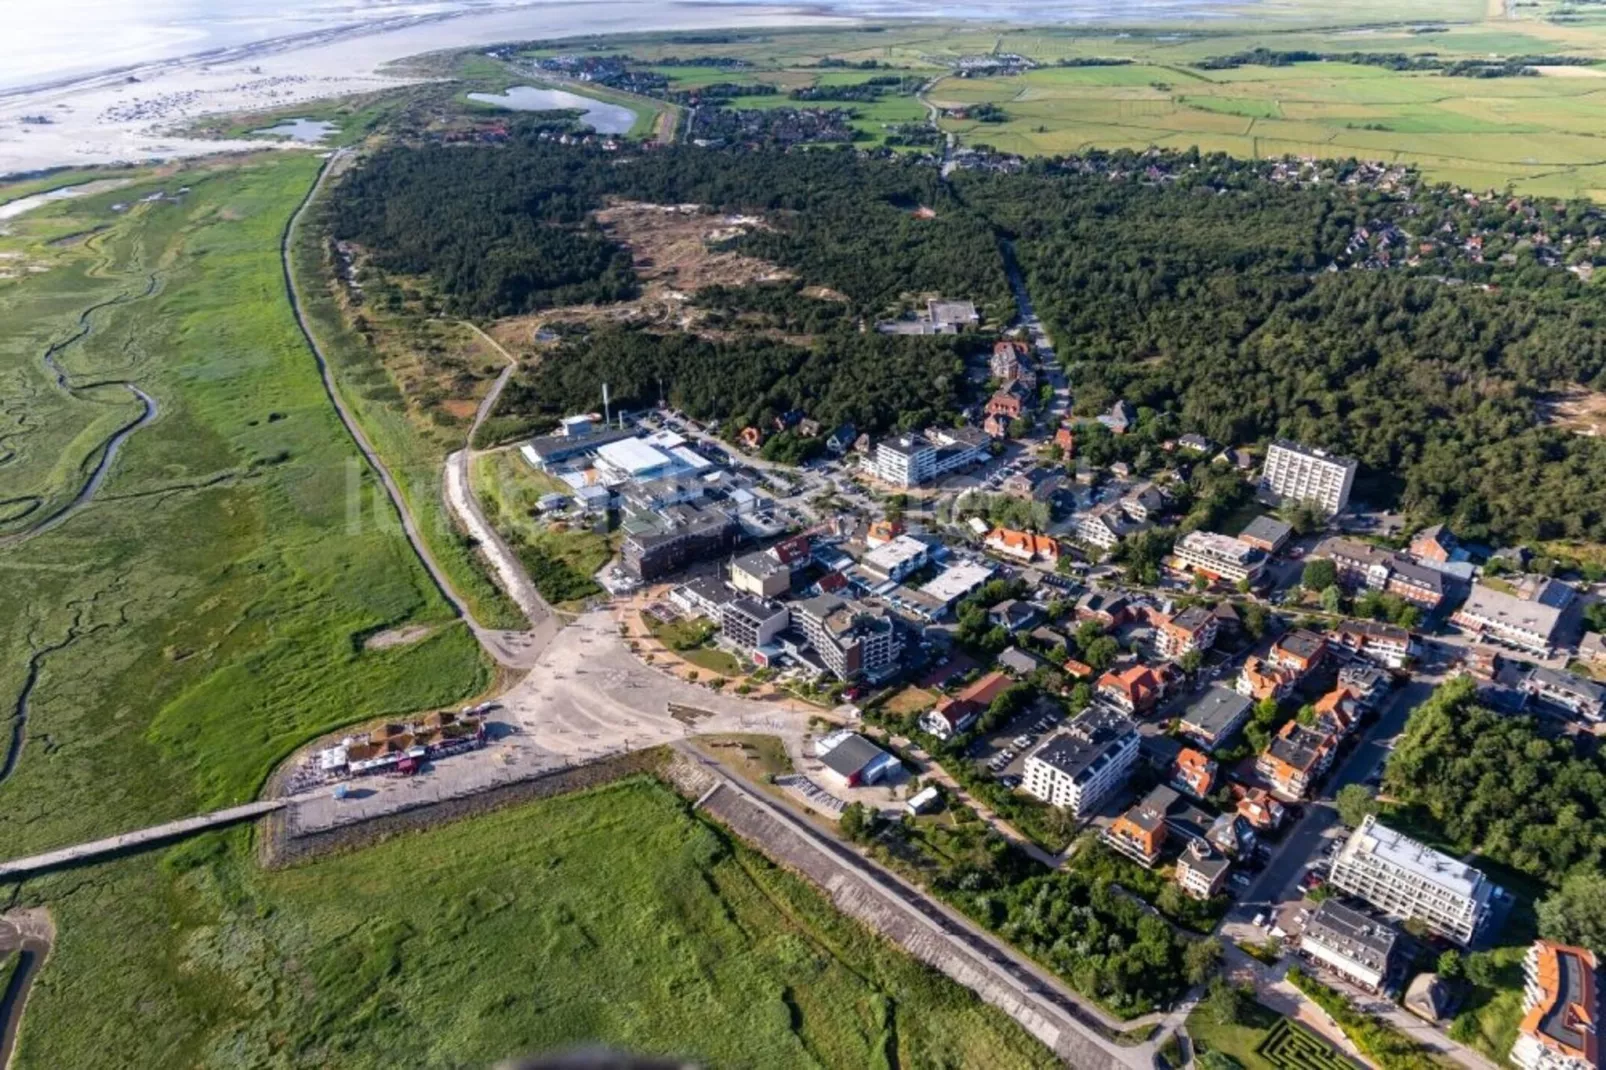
(1500, 787)
(1211, 297)
(514, 235)
(1228, 312)
(872, 381)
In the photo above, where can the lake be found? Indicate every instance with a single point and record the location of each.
(601, 116)
(299, 130)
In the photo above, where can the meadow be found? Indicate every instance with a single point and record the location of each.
(610, 917)
(207, 611)
(1540, 135)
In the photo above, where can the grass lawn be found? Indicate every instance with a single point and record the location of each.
(753, 756)
(910, 700)
(206, 614)
(561, 556)
(610, 917)
(1240, 1040)
(714, 660)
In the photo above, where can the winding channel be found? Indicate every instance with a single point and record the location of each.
(32, 948)
(109, 448)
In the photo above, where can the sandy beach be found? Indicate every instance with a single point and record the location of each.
(113, 119)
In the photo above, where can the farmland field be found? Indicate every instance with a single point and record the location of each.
(609, 917)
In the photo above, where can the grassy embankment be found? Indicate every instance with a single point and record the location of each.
(613, 916)
(413, 383)
(561, 557)
(211, 604)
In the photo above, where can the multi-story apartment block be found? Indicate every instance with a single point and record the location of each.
(851, 639)
(1201, 872)
(657, 544)
(1296, 758)
(1380, 644)
(1080, 765)
(1194, 628)
(1260, 679)
(1215, 716)
(1356, 947)
(761, 573)
(1508, 619)
(751, 623)
(1407, 879)
(1576, 694)
(1295, 473)
(1220, 556)
(912, 459)
(1299, 651)
(1561, 1007)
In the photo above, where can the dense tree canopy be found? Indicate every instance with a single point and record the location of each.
(1497, 786)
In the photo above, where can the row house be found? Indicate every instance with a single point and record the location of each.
(1360, 565)
(1024, 546)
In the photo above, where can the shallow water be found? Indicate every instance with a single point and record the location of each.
(12, 209)
(308, 130)
(601, 116)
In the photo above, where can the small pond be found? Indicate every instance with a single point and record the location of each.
(299, 129)
(601, 116)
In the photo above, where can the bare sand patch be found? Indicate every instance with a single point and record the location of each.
(393, 637)
(1577, 410)
(1565, 71)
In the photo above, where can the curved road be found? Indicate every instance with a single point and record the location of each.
(501, 646)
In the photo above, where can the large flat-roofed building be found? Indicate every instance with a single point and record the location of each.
(579, 438)
(1267, 533)
(852, 761)
(1407, 879)
(1576, 694)
(1561, 1006)
(633, 458)
(761, 573)
(1215, 716)
(956, 581)
(1356, 947)
(1220, 556)
(1295, 473)
(1085, 761)
(1361, 565)
(657, 544)
(1508, 619)
(897, 557)
(851, 639)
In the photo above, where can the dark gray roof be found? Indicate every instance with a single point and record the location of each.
(1087, 742)
(548, 447)
(755, 609)
(1215, 711)
(1570, 683)
(851, 755)
(1352, 934)
(1267, 529)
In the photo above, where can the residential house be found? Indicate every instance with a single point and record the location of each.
(808, 428)
(1193, 773)
(1143, 503)
(1298, 651)
(1381, 644)
(1194, 443)
(1215, 716)
(841, 440)
(1233, 835)
(1201, 872)
(1194, 629)
(954, 714)
(1010, 401)
(1078, 766)
(1013, 615)
(1023, 546)
(1065, 439)
(1592, 648)
(995, 426)
(1133, 690)
(1120, 419)
(1360, 565)
(1019, 662)
(1437, 544)
(1140, 832)
(1261, 679)
(1261, 809)
(1340, 709)
(1296, 759)
(1009, 357)
(1368, 683)
(882, 531)
(1353, 945)
(1110, 609)
(1105, 525)
(1561, 1009)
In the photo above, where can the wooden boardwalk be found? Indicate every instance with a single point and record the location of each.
(172, 830)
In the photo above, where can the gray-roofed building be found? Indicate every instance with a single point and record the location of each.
(1215, 716)
(1201, 872)
(1507, 619)
(1267, 533)
(1020, 662)
(761, 573)
(657, 544)
(1357, 947)
(702, 596)
(850, 638)
(752, 623)
(1577, 695)
(852, 761)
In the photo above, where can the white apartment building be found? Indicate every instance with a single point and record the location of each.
(1220, 555)
(911, 459)
(1407, 879)
(1296, 473)
(751, 623)
(851, 639)
(1079, 766)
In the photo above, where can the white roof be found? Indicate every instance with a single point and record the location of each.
(895, 553)
(633, 456)
(956, 581)
(1510, 611)
(695, 461)
(665, 440)
(1400, 851)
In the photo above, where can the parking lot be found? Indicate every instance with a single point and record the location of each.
(1003, 752)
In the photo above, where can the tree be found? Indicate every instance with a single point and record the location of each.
(1332, 599)
(1201, 582)
(1191, 661)
(1224, 1003)
(1170, 901)
(855, 822)
(1353, 803)
(1216, 1060)
(1255, 620)
(1576, 912)
(1482, 970)
(1449, 965)
(1319, 574)
(1100, 653)
(1200, 959)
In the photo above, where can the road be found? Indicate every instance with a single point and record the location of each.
(170, 830)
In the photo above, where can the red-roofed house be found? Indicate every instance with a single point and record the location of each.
(1134, 690)
(955, 713)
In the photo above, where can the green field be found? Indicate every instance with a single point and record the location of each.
(206, 613)
(561, 557)
(610, 917)
(1289, 1046)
